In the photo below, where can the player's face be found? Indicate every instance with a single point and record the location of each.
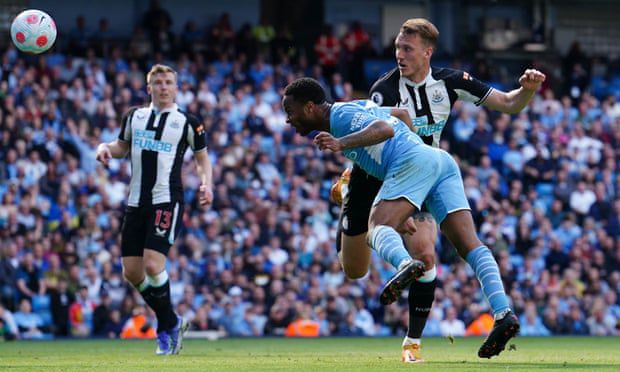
(163, 89)
(297, 115)
(412, 55)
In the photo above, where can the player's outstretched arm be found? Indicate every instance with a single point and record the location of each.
(115, 149)
(516, 100)
(377, 132)
(205, 172)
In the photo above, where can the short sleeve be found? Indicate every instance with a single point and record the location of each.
(384, 92)
(196, 136)
(467, 87)
(125, 133)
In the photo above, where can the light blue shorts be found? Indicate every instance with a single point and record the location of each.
(426, 174)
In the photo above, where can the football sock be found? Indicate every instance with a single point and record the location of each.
(157, 296)
(421, 297)
(487, 272)
(410, 341)
(389, 245)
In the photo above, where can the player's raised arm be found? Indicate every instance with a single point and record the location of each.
(514, 101)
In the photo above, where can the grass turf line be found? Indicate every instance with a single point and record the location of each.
(344, 354)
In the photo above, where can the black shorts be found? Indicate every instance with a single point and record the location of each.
(153, 226)
(363, 189)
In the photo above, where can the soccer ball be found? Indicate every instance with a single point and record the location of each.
(33, 31)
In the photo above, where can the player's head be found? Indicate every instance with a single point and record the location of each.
(301, 99)
(414, 45)
(162, 85)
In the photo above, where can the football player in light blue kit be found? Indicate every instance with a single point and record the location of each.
(380, 140)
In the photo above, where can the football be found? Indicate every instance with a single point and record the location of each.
(33, 31)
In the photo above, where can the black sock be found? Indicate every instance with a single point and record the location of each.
(158, 298)
(421, 297)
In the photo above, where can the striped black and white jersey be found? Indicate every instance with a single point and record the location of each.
(429, 103)
(158, 140)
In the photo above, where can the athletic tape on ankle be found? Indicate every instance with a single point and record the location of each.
(429, 276)
(159, 279)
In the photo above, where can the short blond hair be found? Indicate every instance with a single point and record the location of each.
(160, 69)
(423, 28)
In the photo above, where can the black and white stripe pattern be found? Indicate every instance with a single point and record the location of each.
(429, 102)
(158, 142)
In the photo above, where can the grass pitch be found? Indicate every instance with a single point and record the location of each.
(343, 354)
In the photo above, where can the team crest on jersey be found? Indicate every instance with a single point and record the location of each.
(377, 98)
(175, 124)
(437, 97)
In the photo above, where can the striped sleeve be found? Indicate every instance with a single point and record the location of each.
(125, 133)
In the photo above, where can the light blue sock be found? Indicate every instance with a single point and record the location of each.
(487, 272)
(389, 245)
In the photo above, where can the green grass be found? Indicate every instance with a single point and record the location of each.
(345, 354)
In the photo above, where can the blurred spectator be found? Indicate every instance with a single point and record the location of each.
(30, 324)
(8, 327)
(138, 325)
(451, 325)
(60, 302)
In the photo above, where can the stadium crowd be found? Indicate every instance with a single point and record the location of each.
(543, 186)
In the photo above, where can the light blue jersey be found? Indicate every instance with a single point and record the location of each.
(351, 117)
(408, 168)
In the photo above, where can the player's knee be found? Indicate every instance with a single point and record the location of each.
(428, 258)
(152, 267)
(133, 275)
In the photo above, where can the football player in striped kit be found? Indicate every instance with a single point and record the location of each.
(156, 137)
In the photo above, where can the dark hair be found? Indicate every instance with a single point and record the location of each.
(305, 89)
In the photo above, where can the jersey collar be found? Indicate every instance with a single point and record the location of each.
(417, 85)
(174, 107)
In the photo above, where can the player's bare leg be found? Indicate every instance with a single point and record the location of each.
(354, 255)
(421, 246)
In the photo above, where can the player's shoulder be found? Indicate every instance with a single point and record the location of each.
(191, 118)
(135, 109)
(448, 74)
(385, 90)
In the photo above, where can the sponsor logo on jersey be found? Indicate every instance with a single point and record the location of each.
(140, 115)
(377, 98)
(404, 102)
(359, 118)
(427, 130)
(145, 140)
(437, 97)
(175, 124)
